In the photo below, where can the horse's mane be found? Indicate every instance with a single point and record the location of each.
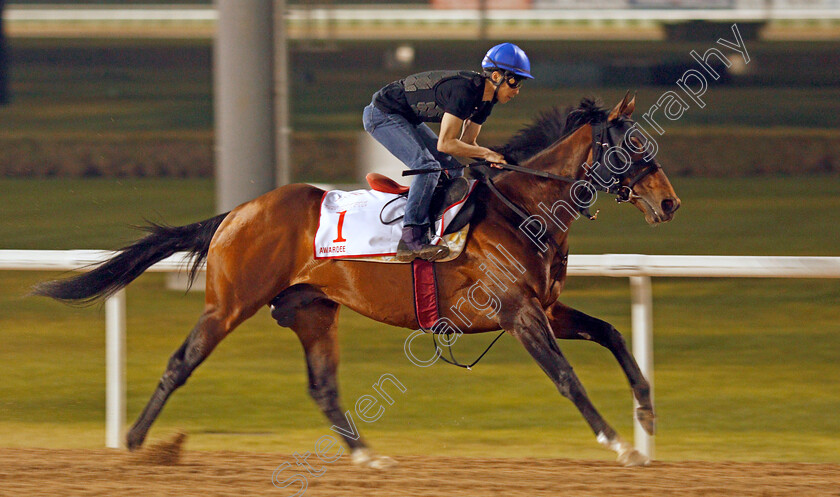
(550, 126)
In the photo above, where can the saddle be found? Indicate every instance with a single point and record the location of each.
(447, 193)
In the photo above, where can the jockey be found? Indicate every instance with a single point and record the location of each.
(460, 101)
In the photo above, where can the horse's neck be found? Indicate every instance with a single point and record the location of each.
(536, 195)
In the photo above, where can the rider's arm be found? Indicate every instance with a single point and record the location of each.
(450, 141)
(470, 133)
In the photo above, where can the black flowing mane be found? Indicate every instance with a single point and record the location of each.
(550, 126)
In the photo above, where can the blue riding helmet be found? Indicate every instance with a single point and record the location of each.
(509, 58)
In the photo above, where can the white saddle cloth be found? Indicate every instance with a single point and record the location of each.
(350, 226)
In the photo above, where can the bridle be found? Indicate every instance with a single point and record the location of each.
(601, 176)
(606, 137)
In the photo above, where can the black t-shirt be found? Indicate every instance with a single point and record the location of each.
(426, 96)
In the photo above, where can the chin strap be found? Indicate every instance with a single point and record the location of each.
(499, 84)
(496, 91)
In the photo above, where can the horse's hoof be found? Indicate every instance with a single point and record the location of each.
(133, 441)
(633, 458)
(367, 459)
(382, 462)
(647, 419)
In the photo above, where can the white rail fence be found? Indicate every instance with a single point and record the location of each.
(615, 11)
(639, 268)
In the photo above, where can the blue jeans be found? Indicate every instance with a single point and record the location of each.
(416, 147)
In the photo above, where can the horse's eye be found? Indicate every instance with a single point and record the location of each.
(636, 145)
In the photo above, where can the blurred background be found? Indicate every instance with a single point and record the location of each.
(136, 95)
(108, 117)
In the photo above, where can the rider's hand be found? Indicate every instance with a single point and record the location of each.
(494, 158)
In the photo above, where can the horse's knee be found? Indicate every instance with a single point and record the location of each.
(173, 379)
(642, 387)
(612, 337)
(177, 359)
(565, 385)
(570, 324)
(602, 333)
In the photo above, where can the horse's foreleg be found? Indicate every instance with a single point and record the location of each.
(571, 324)
(204, 337)
(530, 326)
(316, 326)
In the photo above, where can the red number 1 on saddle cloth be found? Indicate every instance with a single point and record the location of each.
(340, 226)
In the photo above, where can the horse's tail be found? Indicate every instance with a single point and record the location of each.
(114, 274)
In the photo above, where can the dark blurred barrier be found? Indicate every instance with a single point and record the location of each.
(708, 30)
(4, 62)
(323, 156)
(636, 73)
(777, 115)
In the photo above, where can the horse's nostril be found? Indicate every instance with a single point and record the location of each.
(669, 206)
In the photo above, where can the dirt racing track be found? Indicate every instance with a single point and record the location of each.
(43, 472)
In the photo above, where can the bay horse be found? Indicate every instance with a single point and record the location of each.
(260, 253)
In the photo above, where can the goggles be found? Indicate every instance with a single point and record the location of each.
(514, 81)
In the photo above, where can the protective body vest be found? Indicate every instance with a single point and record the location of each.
(426, 96)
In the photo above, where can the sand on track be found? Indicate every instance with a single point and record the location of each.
(74, 472)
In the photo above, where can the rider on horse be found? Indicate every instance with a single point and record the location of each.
(460, 101)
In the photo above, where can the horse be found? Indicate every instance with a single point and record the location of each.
(260, 254)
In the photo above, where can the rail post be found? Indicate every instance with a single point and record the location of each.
(642, 320)
(114, 369)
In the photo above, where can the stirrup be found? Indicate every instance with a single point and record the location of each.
(427, 252)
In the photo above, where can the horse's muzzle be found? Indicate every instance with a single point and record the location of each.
(669, 206)
(657, 211)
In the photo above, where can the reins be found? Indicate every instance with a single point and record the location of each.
(524, 216)
(623, 193)
(454, 361)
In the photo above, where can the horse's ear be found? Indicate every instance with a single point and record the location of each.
(631, 106)
(625, 107)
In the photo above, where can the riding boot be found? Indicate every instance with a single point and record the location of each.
(414, 244)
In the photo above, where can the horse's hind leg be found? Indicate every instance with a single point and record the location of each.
(207, 333)
(572, 324)
(314, 319)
